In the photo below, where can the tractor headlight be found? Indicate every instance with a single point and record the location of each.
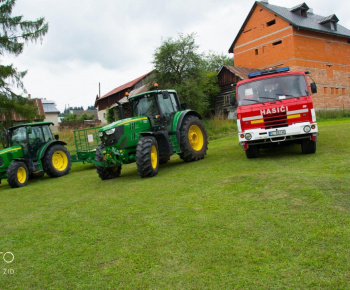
(248, 136)
(307, 129)
(110, 131)
(100, 134)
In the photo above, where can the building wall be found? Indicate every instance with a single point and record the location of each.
(326, 56)
(102, 115)
(52, 117)
(265, 40)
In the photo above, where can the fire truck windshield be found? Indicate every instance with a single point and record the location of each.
(272, 89)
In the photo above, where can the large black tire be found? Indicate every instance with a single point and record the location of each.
(193, 139)
(57, 161)
(308, 146)
(147, 156)
(252, 151)
(106, 172)
(17, 174)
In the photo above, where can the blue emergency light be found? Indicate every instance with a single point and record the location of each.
(267, 72)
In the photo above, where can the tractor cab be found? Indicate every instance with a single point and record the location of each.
(31, 137)
(159, 106)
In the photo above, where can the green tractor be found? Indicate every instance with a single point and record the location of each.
(31, 151)
(159, 127)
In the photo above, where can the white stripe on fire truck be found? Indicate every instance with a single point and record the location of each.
(297, 111)
(288, 113)
(252, 118)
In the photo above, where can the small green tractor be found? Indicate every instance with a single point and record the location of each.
(159, 127)
(31, 151)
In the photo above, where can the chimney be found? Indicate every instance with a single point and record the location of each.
(265, 1)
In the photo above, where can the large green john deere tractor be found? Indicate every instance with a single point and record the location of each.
(31, 151)
(159, 127)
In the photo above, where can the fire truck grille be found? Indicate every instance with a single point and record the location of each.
(275, 120)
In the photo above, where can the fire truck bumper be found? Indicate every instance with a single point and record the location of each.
(291, 133)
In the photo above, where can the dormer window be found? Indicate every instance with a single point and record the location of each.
(330, 22)
(301, 9)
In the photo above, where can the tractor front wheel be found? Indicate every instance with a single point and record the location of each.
(105, 172)
(147, 156)
(193, 139)
(57, 161)
(17, 174)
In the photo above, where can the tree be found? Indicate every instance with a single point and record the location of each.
(193, 75)
(214, 62)
(14, 33)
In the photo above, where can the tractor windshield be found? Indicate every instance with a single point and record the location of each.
(272, 89)
(18, 136)
(145, 106)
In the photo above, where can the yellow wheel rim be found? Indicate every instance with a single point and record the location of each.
(154, 157)
(59, 160)
(195, 137)
(21, 175)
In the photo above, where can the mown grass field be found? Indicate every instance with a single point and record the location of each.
(280, 221)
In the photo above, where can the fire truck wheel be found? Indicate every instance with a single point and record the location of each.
(105, 172)
(147, 157)
(252, 151)
(17, 174)
(308, 147)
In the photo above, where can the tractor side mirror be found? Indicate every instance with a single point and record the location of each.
(313, 88)
(184, 106)
(165, 95)
(57, 137)
(29, 130)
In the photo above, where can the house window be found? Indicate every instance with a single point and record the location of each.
(332, 91)
(272, 22)
(333, 25)
(277, 43)
(343, 91)
(325, 90)
(256, 51)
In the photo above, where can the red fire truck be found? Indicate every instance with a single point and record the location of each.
(275, 106)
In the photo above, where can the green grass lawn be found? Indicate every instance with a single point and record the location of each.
(279, 221)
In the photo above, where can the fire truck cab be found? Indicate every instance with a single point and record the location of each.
(275, 106)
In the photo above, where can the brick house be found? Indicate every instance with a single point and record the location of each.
(108, 100)
(274, 36)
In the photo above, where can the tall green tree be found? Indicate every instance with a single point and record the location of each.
(14, 33)
(214, 62)
(179, 65)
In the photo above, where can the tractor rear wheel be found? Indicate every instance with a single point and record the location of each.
(17, 174)
(147, 156)
(193, 139)
(105, 172)
(57, 161)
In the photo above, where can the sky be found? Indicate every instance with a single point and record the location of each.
(112, 42)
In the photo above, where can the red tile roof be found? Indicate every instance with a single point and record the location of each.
(125, 86)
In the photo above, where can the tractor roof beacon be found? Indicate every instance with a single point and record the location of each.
(31, 151)
(159, 127)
